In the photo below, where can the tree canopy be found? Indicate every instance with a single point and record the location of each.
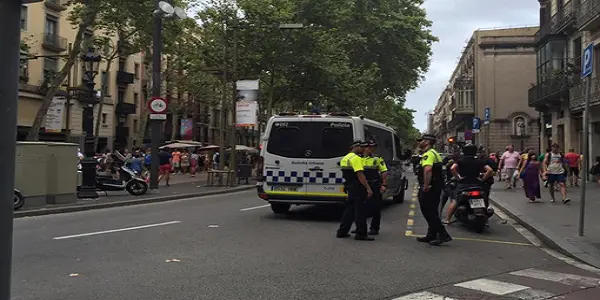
(360, 57)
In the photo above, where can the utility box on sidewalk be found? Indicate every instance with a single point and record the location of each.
(62, 173)
(31, 171)
(46, 173)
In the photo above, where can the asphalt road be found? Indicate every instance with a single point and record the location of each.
(233, 247)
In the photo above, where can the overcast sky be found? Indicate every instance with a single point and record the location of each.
(453, 23)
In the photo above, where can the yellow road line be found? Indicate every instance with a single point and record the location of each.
(409, 233)
(410, 222)
(482, 240)
(411, 213)
(413, 206)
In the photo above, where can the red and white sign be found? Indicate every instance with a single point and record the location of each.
(157, 105)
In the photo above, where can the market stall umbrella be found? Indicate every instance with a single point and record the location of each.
(210, 147)
(243, 148)
(178, 146)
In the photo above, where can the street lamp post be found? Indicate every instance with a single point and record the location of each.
(163, 10)
(91, 62)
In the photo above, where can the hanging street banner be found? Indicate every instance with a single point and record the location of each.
(54, 116)
(247, 105)
(246, 113)
(186, 129)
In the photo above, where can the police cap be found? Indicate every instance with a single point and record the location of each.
(358, 143)
(427, 137)
(371, 143)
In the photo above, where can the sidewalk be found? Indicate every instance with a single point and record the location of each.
(556, 224)
(182, 186)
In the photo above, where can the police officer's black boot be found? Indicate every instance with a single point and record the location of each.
(441, 238)
(426, 239)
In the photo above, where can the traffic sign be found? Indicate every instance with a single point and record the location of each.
(157, 105)
(487, 116)
(468, 135)
(476, 123)
(161, 117)
(587, 61)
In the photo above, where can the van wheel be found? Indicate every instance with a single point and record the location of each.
(280, 208)
(400, 197)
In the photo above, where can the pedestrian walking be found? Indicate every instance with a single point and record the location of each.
(509, 162)
(431, 182)
(358, 190)
(573, 162)
(532, 172)
(555, 172)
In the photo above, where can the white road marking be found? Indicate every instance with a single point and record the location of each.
(423, 296)
(492, 286)
(567, 279)
(213, 226)
(115, 230)
(255, 207)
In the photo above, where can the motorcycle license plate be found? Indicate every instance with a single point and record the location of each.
(477, 203)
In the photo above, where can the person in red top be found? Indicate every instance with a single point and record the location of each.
(574, 161)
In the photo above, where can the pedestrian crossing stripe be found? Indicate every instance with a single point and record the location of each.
(511, 290)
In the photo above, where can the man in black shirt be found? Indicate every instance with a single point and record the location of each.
(468, 170)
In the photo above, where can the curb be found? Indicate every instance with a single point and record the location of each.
(552, 240)
(76, 208)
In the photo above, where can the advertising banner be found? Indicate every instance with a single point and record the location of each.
(54, 115)
(186, 129)
(246, 113)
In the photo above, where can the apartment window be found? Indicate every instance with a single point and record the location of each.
(136, 97)
(136, 71)
(104, 118)
(23, 17)
(550, 57)
(51, 26)
(50, 67)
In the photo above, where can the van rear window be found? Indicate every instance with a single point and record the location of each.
(310, 139)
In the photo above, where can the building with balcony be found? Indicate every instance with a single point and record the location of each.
(558, 46)
(588, 23)
(491, 74)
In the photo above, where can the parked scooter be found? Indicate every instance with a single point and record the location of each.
(18, 199)
(128, 179)
(473, 209)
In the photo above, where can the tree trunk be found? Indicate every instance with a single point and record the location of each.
(104, 90)
(271, 94)
(88, 19)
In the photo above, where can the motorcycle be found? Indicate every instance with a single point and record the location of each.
(128, 180)
(473, 208)
(18, 199)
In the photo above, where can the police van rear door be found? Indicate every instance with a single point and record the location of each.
(285, 164)
(325, 146)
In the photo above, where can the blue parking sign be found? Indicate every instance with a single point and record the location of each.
(476, 123)
(587, 61)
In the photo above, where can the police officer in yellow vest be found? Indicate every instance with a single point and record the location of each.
(358, 190)
(376, 174)
(431, 182)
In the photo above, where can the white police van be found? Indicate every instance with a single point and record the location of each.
(300, 156)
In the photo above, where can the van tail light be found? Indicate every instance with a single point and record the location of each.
(263, 196)
(473, 193)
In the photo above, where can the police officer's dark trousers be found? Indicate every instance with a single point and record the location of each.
(375, 204)
(429, 202)
(356, 211)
